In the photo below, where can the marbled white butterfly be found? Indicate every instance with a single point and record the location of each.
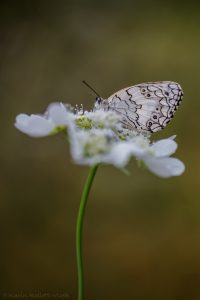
(145, 107)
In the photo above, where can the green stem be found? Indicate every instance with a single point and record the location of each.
(79, 230)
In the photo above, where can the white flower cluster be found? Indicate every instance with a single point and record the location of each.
(98, 137)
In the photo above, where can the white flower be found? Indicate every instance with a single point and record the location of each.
(90, 147)
(156, 156)
(98, 137)
(160, 163)
(102, 119)
(165, 166)
(60, 114)
(43, 125)
(104, 146)
(34, 125)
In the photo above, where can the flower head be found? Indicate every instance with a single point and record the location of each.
(56, 117)
(98, 137)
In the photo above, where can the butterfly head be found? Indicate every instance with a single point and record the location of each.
(99, 103)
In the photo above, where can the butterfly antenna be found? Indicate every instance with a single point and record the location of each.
(87, 84)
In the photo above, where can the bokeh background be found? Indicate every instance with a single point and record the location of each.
(141, 233)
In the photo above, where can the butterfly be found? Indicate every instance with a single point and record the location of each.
(146, 107)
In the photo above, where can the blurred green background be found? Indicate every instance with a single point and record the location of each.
(141, 233)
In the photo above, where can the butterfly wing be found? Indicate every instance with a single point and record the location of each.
(147, 106)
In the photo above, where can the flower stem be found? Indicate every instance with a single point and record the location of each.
(79, 230)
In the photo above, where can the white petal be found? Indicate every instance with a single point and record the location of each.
(34, 125)
(164, 147)
(121, 154)
(58, 113)
(165, 167)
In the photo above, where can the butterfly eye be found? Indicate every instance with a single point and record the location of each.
(143, 90)
(98, 100)
(148, 95)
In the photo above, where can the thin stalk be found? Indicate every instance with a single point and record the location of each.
(79, 230)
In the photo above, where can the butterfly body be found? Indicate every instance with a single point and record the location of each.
(145, 107)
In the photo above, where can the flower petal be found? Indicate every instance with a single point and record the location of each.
(34, 125)
(122, 152)
(165, 167)
(119, 155)
(164, 147)
(58, 113)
